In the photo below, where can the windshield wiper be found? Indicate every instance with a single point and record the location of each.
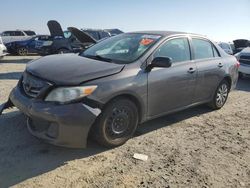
(98, 57)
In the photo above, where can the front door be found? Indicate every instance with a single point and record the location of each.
(172, 88)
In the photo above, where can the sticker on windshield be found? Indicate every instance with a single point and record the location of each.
(146, 41)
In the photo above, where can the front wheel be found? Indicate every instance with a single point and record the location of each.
(117, 123)
(220, 96)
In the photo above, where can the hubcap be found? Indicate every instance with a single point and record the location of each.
(118, 122)
(221, 95)
(22, 51)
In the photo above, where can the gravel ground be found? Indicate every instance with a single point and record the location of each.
(193, 148)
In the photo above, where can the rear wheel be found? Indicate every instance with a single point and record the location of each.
(22, 51)
(220, 96)
(117, 123)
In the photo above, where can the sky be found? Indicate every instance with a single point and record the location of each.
(220, 20)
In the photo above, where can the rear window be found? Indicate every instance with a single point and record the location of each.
(202, 49)
(30, 33)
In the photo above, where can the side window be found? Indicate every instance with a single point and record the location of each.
(202, 49)
(216, 53)
(19, 33)
(6, 33)
(177, 49)
(12, 33)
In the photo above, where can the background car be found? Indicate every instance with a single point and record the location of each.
(244, 58)
(28, 46)
(10, 36)
(60, 42)
(3, 50)
(226, 47)
(97, 34)
(240, 44)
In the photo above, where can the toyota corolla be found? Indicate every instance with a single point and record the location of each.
(120, 82)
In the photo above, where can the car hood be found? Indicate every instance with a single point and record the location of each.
(71, 69)
(55, 28)
(81, 36)
(241, 43)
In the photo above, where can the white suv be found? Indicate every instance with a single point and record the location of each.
(3, 50)
(11, 36)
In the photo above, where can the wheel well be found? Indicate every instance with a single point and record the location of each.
(133, 99)
(62, 48)
(229, 80)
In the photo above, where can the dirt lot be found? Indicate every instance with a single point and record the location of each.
(193, 148)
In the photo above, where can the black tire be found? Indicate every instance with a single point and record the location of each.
(63, 51)
(22, 51)
(220, 96)
(116, 124)
(241, 75)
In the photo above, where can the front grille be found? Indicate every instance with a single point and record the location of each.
(245, 60)
(33, 86)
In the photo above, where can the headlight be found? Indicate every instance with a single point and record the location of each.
(66, 94)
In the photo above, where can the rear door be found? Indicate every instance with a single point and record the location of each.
(18, 36)
(210, 68)
(171, 88)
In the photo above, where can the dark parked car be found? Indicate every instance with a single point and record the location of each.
(25, 47)
(120, 82)
(97, 34)
(63, 42)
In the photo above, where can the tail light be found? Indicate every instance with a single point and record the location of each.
(238, 64)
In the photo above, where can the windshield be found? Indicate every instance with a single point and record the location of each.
(225, 46)
(124, 48)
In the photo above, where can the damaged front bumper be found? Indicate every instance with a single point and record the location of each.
(60, 124)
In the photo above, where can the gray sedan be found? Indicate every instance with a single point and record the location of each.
(120, 82)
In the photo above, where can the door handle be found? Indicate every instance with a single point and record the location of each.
(220, 65)
(191, 70)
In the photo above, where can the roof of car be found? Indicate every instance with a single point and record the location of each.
(165, 33)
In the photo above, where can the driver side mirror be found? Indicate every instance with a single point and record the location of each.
(163, 62)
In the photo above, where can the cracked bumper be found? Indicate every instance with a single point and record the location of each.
(65, 125)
